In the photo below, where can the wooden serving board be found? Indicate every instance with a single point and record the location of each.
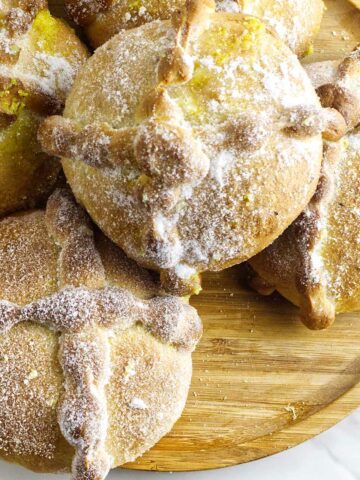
(262, 382)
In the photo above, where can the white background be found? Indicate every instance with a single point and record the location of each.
(333, 455)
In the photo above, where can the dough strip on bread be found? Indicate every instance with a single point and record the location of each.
(84, 312)
(168, 169)
(317, 307)
(302, 262)
(343, 94)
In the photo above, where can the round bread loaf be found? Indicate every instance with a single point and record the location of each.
(39, 58)
(192, 144)
(295, 21)
(95, 366)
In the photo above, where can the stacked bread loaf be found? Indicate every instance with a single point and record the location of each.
(192, 139)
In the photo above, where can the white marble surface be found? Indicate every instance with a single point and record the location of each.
(333, 455)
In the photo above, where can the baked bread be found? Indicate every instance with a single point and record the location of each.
(94, 364)
(338, 85)
(316, 262)
(39, 58)
(295, 21)
(356, 3)
(188, 155)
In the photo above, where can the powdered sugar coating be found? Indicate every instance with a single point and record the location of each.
(322, 72)
(39, 59)
(73, 310)
(33, 431)
(42, 66)
(295, 21)
(86, 318)
(315, 263)
(342, 242)
(235, 210)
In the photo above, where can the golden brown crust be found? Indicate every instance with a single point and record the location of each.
(176, 171)
(335, 125)
(356, 3)
(343, 93)
(258, 283)
(315, 262)
(296, 22)
(35, 76)
(84, 12)
(86, 312)
(293, 263)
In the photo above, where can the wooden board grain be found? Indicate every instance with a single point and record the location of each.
(262, 382)
(340, 31)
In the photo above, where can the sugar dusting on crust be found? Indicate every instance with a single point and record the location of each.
(325, 196)
(315, 262)
(84, 317)
(83, 11)
(33, 430)
(17, 238)
(322, 72)
(58, 74)
(228, 6)
(39, 58)
(29, 55)
(341, 249)
(334, 251)
(17, 16)
(156, 381)
(295, 21)
(228, 214)
(75, 309)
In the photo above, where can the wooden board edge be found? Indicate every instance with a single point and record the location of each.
(262, 447)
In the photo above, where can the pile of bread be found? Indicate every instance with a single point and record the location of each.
(194, 140)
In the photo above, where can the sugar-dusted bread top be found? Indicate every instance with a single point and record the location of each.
(295, 21)
(202, 137)
(39, 58)
(95, 365)
(315, 263)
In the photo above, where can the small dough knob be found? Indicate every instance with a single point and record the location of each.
(335, 125)
(169, 153)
